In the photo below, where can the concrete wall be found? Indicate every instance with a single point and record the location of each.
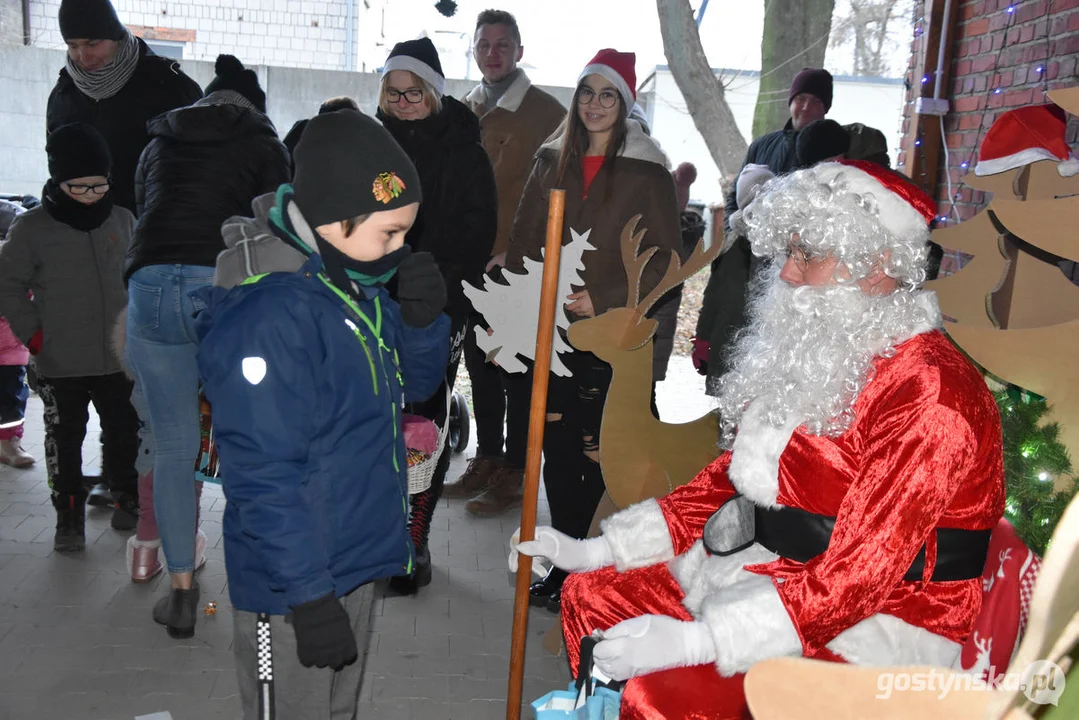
(291, 33)
(11, 29)
(27, 75)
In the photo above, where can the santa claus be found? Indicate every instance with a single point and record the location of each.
(850, 518)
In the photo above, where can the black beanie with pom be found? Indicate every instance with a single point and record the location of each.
(232, 75)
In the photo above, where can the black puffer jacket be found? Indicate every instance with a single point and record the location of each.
(158, 85)
(204, 164)
(458, 216)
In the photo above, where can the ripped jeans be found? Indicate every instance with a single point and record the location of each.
(571, 472)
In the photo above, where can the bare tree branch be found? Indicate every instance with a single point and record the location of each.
(703, 93)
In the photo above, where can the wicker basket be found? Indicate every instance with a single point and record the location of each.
(421, 474)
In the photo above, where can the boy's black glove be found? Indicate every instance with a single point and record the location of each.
(323, 634)
(421, 291)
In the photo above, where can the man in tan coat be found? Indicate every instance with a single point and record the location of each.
(515, 119)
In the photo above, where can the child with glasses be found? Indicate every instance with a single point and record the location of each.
(61, 289)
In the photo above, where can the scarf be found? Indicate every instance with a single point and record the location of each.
(492, 93)
(343, 271)
(69, 211)
(109, 80)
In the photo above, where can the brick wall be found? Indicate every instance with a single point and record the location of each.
(1000, 60)
(282, 33)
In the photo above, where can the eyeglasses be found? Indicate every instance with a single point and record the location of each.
(799, 255)
(412, 95)
(78, 189)
(607, 99)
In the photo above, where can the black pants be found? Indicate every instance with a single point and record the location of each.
(499, 404)
(67, 402)
(573, 480)
(13, 395)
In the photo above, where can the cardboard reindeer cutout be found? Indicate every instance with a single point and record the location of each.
(1015, 312)
(643, 457)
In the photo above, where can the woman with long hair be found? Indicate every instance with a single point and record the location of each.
(611, 171)
(457, 223)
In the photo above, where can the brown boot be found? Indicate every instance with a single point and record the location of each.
(503, 494)
(476, 477)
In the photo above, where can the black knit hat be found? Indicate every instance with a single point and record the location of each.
(421, 59)
(814, 81)
(820, 140)
(90, 20)
(232, 75)
(348, 165)
(77, 150)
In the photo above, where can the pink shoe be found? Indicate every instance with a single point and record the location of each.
(143, 559)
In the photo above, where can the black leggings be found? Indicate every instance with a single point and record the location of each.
(573, 480)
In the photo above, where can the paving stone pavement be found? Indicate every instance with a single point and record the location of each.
(77, 641)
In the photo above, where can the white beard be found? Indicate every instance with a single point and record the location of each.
(808, 352)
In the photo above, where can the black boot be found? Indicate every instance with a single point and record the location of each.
(421, 511)
(125, 513)
(177, 611)
(548, 591)
(70, 522)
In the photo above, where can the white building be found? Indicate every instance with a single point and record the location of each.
(877, 102)
(322, 35)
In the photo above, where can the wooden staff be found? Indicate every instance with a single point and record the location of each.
(537, 420)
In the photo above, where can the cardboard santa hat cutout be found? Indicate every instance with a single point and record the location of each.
(1025, 135)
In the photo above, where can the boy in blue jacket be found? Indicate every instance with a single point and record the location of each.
(307, 362)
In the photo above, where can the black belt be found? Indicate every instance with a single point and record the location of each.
(801, 536)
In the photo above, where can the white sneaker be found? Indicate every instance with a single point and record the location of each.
(11, 453)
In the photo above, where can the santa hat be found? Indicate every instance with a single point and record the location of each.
(420, 58)
(618, 68)
(1026, 135)
(904, 209)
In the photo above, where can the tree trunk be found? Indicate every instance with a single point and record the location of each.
(795, 36)
(703, 93)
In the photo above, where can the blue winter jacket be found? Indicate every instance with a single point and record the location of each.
(307, 398)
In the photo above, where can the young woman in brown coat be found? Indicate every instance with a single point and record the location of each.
(611, 171)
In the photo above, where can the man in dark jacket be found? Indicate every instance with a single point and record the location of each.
(723, 309)
(114, 82)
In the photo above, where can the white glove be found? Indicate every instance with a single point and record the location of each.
(650, 643)
(564, 552)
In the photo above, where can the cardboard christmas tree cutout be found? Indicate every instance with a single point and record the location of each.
(512, 310)
(641, 456)
(1029, 331)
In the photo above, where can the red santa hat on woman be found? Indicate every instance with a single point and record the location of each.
(618, 68)
(1026, 135)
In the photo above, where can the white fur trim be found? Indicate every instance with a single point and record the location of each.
(754, 468)
(638, 536)
(749, 623)
(639, 145)
(1068, 167)
(886, 640)
(927, 301)
(895, 214)
(701, 575)
(993, 166)
(608, 73)
(417, 68)
(511, 99)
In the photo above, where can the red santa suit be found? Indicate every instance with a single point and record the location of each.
(924, 452)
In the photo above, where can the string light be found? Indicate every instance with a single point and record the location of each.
(1011, 9)
(1043, 476)
(925, 79)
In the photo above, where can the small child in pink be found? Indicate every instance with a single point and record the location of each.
(13, 394)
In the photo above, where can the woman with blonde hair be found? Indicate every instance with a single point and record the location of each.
(611, 171)
(457, 223)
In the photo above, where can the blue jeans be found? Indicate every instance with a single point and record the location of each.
(161, 349)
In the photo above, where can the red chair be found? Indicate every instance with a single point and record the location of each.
(699, 693)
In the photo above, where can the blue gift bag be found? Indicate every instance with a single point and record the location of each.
(602, 704)
(593, 696)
